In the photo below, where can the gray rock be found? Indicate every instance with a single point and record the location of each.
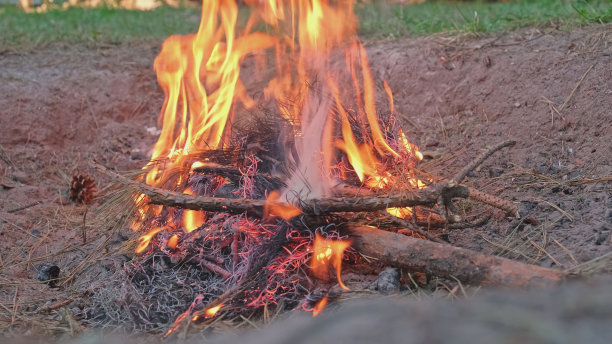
(388, 281)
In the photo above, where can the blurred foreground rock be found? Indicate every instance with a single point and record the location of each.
(572, 313)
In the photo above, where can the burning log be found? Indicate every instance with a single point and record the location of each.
(448, 261)
(422, 197)
(441, 193)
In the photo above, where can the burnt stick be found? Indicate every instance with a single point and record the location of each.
(459, 177)
(404, 223)
(421, 197)
(447, 261)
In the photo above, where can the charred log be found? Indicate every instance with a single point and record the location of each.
(447, 261)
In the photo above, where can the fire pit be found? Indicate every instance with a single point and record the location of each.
(256, 194)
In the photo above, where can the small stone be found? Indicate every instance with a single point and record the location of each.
(137, 154)
(517, 105)
(527, 206)
(547, 263)
(21, 177)
(517, 225)
(389, 281)
(48, 272)
(495, 172)
(603, 236)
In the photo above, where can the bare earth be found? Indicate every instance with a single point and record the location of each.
(549, 90)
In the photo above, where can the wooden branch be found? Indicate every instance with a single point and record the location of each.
(509, 207)
(447, 261)
(409, 226)
(212, 267)
(479, 222)
(424, 197)
(459, 177)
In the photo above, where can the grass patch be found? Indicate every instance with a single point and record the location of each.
(93, 25)
(382, 20)
(378, 19)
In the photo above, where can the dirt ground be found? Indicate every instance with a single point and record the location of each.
(549, 90)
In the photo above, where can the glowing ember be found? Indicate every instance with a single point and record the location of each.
(328, 252)
(211, 312)
(403, 213)
(173, 241)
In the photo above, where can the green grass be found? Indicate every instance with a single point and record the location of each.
(97, 25)
(377, 20)
(380, 20)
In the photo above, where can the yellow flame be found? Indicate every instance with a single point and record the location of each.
(173, 241)
(403, 213)
(211, 312)
(389, 96)
(192, 219)
(328, 252)
(200, 77)
(144, 240)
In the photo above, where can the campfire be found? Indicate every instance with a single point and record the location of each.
(259, 188)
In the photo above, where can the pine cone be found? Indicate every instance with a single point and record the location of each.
(82, 189)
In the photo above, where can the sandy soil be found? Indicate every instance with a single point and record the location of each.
(550, 90)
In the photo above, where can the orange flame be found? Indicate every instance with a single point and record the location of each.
(173, 241)
(144, 240)
(325, 253)
(200, 75)
(389, 96)
(211, 312)
(274, 207)
(319, 306)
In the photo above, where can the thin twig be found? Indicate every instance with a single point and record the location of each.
(541, 249)
(509, 207)
(215, 268)
(424, 197)
(459, 177)
(15, 305)
(403, 223)
(84, 231)
(5, 157)
(565, 213)
(59, 304)
(576, 87)
(27, 206)
(479, 222)
(566, 251)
